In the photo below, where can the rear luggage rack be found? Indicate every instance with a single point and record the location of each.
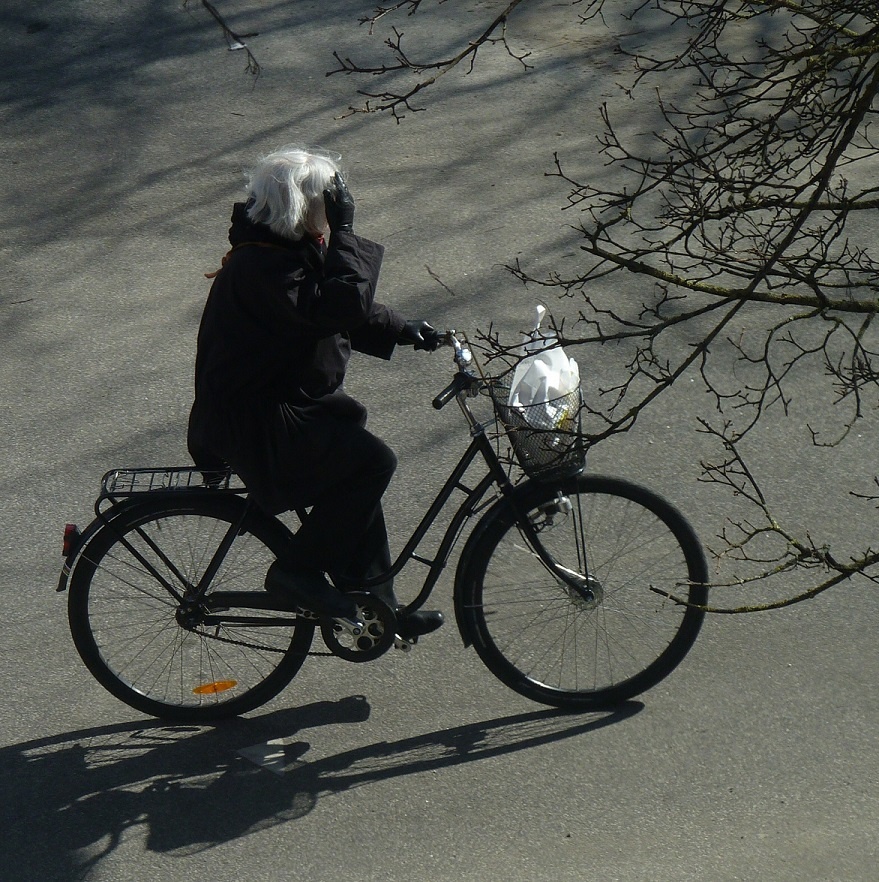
(129, 482)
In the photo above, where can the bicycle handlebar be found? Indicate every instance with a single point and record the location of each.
(460, 382)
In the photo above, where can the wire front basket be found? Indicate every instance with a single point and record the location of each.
(546, 438)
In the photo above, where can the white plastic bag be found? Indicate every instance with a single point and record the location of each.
(543, 379)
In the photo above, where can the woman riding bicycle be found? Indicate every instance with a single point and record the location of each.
(295, 295)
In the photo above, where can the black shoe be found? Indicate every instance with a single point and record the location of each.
(419, 623)
(311, 589)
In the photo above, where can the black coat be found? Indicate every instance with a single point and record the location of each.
(278, 328)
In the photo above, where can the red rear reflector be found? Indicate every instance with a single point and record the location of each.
(71, 534)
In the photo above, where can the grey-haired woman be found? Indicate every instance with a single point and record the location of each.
(295, 295)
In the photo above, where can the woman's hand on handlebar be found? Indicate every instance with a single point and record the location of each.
(420, 334)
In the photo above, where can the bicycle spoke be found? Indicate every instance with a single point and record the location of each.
(567, 643)
(160, 654)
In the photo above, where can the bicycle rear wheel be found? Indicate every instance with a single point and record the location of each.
(162, 655)
(559, 646)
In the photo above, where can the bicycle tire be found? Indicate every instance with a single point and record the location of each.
(550, 644)
(124, 622)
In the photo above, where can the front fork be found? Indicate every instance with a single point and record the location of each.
(584, 590)
(580, 585)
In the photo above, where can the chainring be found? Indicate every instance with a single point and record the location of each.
(362, 645)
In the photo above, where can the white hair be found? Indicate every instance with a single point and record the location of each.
(286, 188)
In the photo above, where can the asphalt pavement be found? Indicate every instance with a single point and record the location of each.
(126, 129)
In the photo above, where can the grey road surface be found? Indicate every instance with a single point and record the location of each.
(125, 131)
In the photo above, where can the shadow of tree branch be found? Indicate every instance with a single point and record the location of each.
(71, 798)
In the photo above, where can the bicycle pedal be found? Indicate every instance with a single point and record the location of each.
(403, 644)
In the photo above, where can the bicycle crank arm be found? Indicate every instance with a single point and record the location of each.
(354, 627)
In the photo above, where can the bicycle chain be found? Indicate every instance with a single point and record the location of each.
(376, 612)
(260, 647)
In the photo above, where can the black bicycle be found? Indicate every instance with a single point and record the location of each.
(568, 586)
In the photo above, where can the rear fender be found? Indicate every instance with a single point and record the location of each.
(126, 506)
(85, 537)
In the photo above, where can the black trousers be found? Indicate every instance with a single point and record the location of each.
(344, 532)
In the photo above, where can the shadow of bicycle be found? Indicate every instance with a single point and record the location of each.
(70, 799)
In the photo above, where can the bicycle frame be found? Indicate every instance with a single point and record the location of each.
(464, 384)
(496, 475)
(169, 608)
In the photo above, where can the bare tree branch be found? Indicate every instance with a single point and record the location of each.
(744, 211)
(426, 73)
(234, 41)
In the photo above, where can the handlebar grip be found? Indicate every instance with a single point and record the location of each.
(458, 384)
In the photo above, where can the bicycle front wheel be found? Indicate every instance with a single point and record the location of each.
(166, 657)
(611, 640)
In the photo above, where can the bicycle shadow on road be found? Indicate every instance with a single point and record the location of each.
(69, 800)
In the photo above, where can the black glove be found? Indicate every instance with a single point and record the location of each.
(420, 334)
(339, 204)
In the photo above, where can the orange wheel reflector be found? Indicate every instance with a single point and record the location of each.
(214, 688)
